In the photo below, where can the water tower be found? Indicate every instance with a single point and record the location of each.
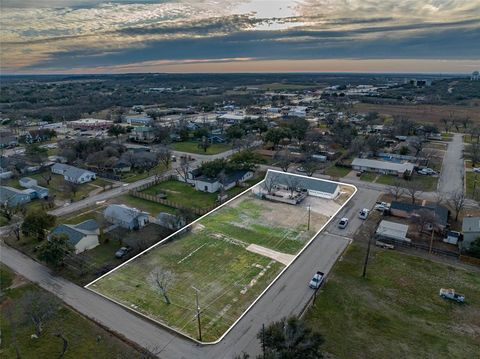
(475, 76)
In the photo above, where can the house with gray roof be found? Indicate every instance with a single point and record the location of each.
(126, 217)
(73, 174)
(12, 197)
(471, 230)
(383, 167)
(314, 186)
(82, 236)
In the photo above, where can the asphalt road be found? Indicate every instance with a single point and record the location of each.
(452, 174)
(90, 201)
(287, 296)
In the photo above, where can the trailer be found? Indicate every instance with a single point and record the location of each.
(452, 295)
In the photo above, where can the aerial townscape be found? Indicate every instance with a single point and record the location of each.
(256, 179)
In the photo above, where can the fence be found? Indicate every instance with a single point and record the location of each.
(424, 247)
(149, 197)
(470, 260)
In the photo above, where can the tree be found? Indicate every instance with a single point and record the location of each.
(474, 153)
(47, 177)
(204, 144)
(413, 188)
(423, 217)
(245, 160)
(397, 189)
(200, 132)
(184, 169)
(162, 281)
(55, 249)
(290, 338)
(39, 308)
(116, 131)
(277, 134)
(457, 202)
(213, 168)
(270, 182)
(284, 159)
(72, 187)
(310, 166)
(343, 133)
(36, 223)
(235, 132)
(165, 156)
(292, 183)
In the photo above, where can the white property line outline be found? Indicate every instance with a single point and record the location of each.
(200, 218)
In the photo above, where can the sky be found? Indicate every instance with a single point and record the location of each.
(92, 36)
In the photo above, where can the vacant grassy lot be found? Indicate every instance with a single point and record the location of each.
(85, 339)
(337, 172)
(429, 183)
(396, 311)
(192, 147)
(217, 258)
(387, 179)
(368, 176)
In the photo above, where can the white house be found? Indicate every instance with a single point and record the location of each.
(82, 236)
(73, 174)
(212, 185)
(314, 186)
(384, 167)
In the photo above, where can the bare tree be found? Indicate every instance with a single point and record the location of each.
(162, 280)
(413, 188)
(422, 218)
(474, 153)
(184, 169)
(284, 159)
(165, 156)
(270, 182)
(457, 202)
(39, 308)
(397, 189)
(292, 182)
(47, 177)
(71, 187)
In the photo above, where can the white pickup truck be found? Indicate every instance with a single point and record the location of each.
(450, 294)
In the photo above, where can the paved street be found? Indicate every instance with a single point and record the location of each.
(287, 296)
(452, 174)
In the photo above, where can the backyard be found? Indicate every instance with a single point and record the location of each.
(192, 147)
(396, 312)
(230, 256)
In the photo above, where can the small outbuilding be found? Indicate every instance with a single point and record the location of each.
(392, 230)
(126, 217)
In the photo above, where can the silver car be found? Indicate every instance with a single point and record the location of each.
(343, 223)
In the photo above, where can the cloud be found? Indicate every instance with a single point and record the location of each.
(85, 33)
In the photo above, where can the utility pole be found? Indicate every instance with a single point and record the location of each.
(198, 314)
(308, 225)
(366, 259)
(431, 242)
(263, 340)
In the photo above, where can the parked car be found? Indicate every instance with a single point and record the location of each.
(363, 213)
(427, 172)
(343, 223)
(317, 280)
(382, 206)
(452, 295)
(476, 169)
(301, 170)
(384, 245)
(122, 252)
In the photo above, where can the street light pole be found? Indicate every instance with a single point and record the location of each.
(198, 314)
(308, 225)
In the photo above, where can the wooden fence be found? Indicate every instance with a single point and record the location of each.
(153, 198)
(470, 260)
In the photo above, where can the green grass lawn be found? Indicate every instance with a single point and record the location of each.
(192, 147)
(136, 176)
(396, 312)
(368, 176)
(386, 179)
(148, 206)
(470, 184)
(183, 194)
(339, 172)
(429, 183)
(85, 338)
(214, 258)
